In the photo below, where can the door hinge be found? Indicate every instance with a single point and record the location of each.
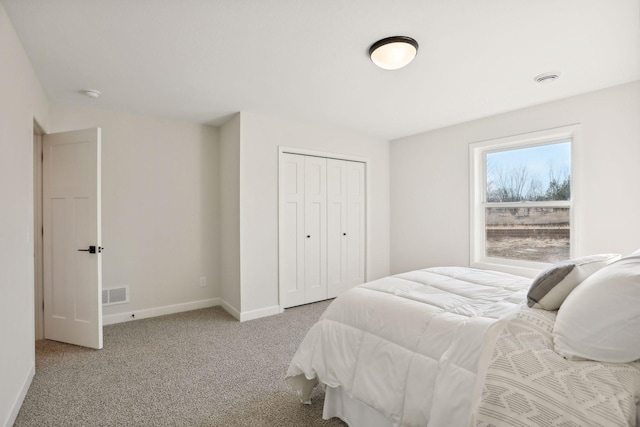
(42, 305)
(42, 157)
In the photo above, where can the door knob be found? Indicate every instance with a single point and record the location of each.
(92, 249)
(344, 234)
(308, 236)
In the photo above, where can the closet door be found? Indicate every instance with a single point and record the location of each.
(315, 235)
(336, 227)
(292, 235)
(322, 226)
(345, 225)
(356, 226)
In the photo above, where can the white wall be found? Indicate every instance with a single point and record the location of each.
(21, 101)
(430, 178)
(160, 208)
(230, 215)
(261, 136)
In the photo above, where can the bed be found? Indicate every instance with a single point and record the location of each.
(454, 346)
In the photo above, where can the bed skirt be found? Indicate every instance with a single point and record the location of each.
(337, 403)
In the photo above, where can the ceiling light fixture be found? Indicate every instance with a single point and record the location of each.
(91, 93)
(546, 77)
(394, 52)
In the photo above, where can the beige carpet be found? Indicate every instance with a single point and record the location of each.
(199, 368)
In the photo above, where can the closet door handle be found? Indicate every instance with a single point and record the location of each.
(344, 234)
(308, 236)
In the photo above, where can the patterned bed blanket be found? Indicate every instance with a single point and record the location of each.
(523, 382)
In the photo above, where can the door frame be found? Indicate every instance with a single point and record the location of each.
(38, 283)
(328, 155)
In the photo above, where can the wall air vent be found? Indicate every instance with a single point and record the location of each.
(115, 296)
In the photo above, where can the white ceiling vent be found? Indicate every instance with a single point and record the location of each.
(546, 77)
(115, 296)
(91, 93)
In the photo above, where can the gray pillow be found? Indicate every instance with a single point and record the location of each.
(550, 288)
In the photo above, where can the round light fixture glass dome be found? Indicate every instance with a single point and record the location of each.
(394, 52)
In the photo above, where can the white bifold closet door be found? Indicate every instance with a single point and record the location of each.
(322, 227)
(345, 225)
(315, 229)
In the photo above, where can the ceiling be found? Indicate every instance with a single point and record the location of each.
(203, 60)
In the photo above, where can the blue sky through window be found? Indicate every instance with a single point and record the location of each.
(539, 161)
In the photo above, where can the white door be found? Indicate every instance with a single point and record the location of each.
(72, 239)
(322, 227)
(336, 227)
(292, 237)
(315, 226)
(355, 234)
(345, 225)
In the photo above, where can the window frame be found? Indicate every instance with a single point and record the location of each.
(478, 203)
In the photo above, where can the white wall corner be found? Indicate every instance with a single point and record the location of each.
(230, 309)
(111, 319)
(20, 398)
(261, 312)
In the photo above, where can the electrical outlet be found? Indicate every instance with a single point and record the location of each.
(203, 282)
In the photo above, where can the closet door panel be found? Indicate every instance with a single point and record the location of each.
(315, 236)
(336, 226)
(292, 235)
(355, 239)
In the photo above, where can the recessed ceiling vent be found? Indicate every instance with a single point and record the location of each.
(91, 93)
(546, 77)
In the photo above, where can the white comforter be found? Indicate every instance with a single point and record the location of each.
(408, 345)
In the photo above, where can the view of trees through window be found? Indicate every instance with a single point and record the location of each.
(527, 208)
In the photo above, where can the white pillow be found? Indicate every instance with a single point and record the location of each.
(600, 319)
(550, 288)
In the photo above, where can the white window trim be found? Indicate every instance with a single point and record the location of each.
(477, 186)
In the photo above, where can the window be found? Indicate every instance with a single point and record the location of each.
(522, 205)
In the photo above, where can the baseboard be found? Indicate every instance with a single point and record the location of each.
(243, 316)
(111, 319)
(230, 309)
(23, 393)
(261, 312)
